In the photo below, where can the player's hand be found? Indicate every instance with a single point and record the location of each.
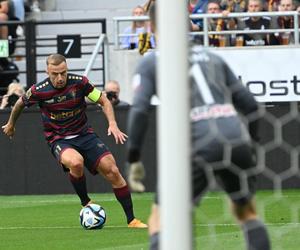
(120, 137)
(136, 173)
(9, 130)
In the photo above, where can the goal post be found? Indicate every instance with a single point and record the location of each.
(173, 126)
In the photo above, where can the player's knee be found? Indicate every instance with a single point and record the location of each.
(244, 211)
(111, 172)
(76, 166)
(114, 171)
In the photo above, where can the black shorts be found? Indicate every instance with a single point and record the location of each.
(231, 167)
(89, 146)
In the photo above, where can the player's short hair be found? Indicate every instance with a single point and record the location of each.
(152, 14)
(55, 59)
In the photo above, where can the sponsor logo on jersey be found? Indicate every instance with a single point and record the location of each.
(64, 115)
(212, 112)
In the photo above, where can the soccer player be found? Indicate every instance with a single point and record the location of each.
(61, 98)
(220, 141)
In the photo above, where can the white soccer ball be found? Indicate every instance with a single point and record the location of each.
(92, 216)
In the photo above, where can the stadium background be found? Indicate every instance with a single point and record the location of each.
(51, 221)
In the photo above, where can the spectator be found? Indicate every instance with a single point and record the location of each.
(213, 7)
(112, 90)
(255, 23)
(197, 7)
(234, 5)
(271, 5)
(9, 73)
(14, 9)
(14, 91)
(3, 18)
(131, 41)
(19, 9)
(284, 22)
(8, 12)
(34, 5)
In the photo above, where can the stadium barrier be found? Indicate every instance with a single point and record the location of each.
(120, 21)
(72, 38)
(27, 166)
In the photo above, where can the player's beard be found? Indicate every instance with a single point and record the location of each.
(60, 84)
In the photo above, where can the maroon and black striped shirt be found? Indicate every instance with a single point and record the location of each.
(62, 110)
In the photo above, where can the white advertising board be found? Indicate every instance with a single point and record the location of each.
(272, 75)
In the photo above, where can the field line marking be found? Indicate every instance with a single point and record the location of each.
(234, 224)
(54, 227)
(109, 199)
(197, 225)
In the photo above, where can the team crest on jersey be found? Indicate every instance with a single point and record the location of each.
(61, 98)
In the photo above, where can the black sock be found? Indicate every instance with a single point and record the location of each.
(154, 241)
(256, 235)
(79, 185)
(124, 197)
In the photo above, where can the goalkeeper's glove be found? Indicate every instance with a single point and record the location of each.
(136, 173)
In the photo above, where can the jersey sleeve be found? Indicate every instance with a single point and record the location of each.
(30, 97)
(87, 86)
(242, 99)
(144, 83)
(244, 102)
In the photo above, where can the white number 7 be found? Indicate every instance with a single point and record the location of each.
(70, 41)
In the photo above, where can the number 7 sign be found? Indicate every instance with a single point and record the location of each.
(69, 46)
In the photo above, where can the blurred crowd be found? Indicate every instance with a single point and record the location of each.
(13, 10)
(225, 7)
(139, 34)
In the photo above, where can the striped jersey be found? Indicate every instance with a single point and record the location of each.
(62, 110)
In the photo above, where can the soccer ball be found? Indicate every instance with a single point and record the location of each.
(92, 216)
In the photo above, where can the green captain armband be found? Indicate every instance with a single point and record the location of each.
(95, 95)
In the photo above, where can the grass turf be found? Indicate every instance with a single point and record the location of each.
(51, 222)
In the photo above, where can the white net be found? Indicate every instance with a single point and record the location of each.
(278, 182)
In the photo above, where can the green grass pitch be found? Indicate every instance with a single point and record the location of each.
(52, 222)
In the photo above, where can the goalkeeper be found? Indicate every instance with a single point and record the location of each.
(221, 143)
